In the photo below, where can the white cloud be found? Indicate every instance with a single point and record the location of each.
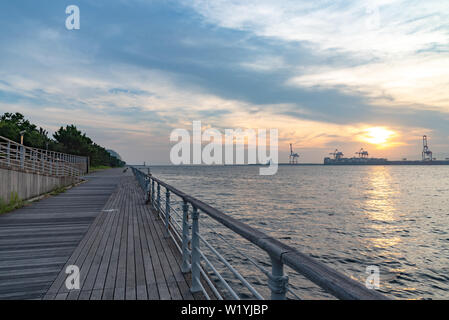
(76, 89)
(421, 80)
(266, 63)
(406, 41)
(372, 27)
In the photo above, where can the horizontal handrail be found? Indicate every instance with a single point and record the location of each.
(168, 217)
(16, 156)
(330, 280)
(174, 232)
(55, 153)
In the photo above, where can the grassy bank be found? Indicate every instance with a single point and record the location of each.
(13, 204)
(17, 203)
(98, 168)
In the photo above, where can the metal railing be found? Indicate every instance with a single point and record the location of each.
(184, 229)
(16, 156)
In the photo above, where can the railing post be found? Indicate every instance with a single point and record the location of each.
(152, 193)
(167, 212)
(185, 267)
(277, 282)
(196, 256)
(33, 157)
(148, 189)
(43, 159)
(8, 153)
(158, 200)
(22, 157)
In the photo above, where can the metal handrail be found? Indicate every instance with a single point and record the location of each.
(174, 232)
(331, 281)
(16, 156)
(166, 214)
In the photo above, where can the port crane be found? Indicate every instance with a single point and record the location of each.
(362, 153)
(293, 157)
(426, 153)
(337, 154)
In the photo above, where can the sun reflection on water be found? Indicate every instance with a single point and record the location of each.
(380, 195)
(380, 206)
(384, 243)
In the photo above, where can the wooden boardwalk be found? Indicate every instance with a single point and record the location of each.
(104, 228)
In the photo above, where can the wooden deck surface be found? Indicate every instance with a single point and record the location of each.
(104, 228)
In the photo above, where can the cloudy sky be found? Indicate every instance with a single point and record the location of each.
(327, 74)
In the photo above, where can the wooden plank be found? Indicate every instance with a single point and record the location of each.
(92, 263)
(125, 254)
(175, 262)
(175, 258)
(113, 261)
(158, 240)
(108, 294)
(37, 241)
(77, 259)
(96, 295)
(29, 273)
(59, 282)
(120, 281)
(31, 262)
(22, 282)
(85, 295)
(130, 257)
(119, 293)
(94, 267)
(150, 279)
(61, 296)
(106, 258)
(141, 288)
(86, 264)
(164, 293)
(178, 277)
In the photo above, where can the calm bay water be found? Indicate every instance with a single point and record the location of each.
(349, 217)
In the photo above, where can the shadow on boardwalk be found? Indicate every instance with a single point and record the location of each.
(104, 228)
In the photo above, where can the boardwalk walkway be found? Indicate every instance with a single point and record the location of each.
(102, 226)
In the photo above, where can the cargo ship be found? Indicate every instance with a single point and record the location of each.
(380, 161)
(363, 159)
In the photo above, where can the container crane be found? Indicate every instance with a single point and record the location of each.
(362, 153)
(337, 154)
(293, 157)
(426, 153)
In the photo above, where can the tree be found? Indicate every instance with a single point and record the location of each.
(74, 141)
(68, 140)
(11, 124)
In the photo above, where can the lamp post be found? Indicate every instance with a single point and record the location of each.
(22, 150)
(21, 136)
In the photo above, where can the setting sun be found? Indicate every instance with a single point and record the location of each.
(377, 135)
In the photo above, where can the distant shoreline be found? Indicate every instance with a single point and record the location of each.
(391, 163)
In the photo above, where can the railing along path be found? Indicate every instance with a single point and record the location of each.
(184, 228)
(16, 156)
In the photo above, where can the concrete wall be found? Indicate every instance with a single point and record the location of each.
(28, 185)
